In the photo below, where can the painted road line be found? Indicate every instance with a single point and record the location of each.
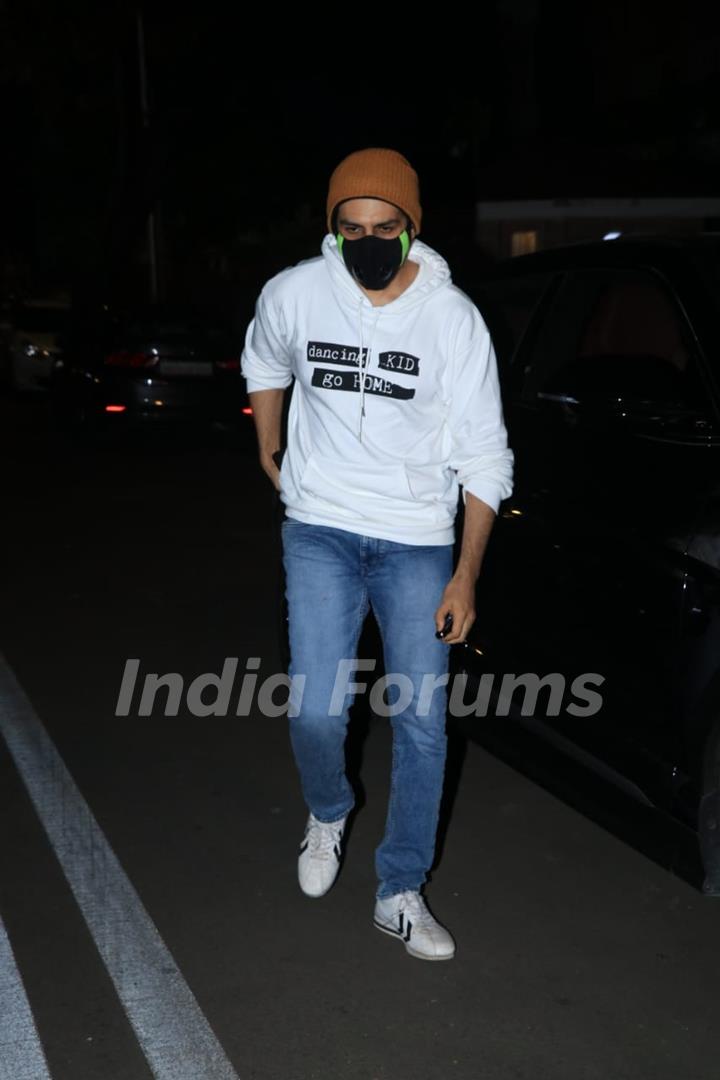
(174, 1035)
(21, 1053)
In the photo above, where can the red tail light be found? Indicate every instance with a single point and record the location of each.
(115, 408)
(126, 359)
(247, 411)
(232, 364)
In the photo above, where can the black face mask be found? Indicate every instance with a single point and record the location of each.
(374, 261)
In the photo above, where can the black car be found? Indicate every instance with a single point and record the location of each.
(605, 561)
(145, 368)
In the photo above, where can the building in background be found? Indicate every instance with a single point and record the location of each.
(519, 227)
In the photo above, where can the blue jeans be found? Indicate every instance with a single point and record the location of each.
(332, 577)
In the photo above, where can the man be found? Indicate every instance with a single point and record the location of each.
(395, 404)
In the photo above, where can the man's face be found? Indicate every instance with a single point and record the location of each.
(357, 218)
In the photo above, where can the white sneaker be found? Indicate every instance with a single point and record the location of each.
(319, 858)
(405, 916)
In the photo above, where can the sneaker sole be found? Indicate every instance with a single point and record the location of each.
(408, 948)
(315, 895)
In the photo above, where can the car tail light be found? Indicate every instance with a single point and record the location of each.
(231, 364)
(115, 408)
(126, 359)
(247, 411)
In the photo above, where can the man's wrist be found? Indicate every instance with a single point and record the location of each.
(466, 575)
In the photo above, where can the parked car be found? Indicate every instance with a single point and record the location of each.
(606, 559)
(147, 368)
(33, 343)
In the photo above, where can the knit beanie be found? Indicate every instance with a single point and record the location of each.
(378, 174)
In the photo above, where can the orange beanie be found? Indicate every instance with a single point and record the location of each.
(376, 174)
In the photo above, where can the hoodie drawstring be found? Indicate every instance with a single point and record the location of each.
(364, 360)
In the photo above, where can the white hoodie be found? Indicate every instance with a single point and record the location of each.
(392, 406)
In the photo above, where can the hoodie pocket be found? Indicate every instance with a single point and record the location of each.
(348, 487)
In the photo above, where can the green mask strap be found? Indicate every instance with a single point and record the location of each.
(403, 238)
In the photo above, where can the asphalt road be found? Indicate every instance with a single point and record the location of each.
(152, 920)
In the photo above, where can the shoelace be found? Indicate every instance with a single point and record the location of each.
(413, 905)
(322, 838)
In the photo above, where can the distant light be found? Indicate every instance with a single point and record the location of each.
(523, 243)
(247, 411)
(115, 408)
(612, 236)
(158, 402)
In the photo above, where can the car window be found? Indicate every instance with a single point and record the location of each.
(624, 332)
(507, 307)
(634, 316)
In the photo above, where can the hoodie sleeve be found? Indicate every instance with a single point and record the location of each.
(265, 360)
(479, 451)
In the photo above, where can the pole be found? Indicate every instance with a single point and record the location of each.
(145, 121)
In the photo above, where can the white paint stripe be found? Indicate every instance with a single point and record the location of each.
(175, 1037)
(21, 1054)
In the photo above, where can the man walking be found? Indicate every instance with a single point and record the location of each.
(395, 406)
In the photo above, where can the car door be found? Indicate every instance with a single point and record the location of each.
(608, 433)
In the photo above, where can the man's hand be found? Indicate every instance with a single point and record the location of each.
(458, 600)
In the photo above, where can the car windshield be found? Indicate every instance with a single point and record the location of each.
(42, 320)
(142, 329)
(171, 333)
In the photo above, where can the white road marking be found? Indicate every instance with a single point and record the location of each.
(173, 1033)
(21, 1053)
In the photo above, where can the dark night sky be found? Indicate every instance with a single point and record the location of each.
(526, 99)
